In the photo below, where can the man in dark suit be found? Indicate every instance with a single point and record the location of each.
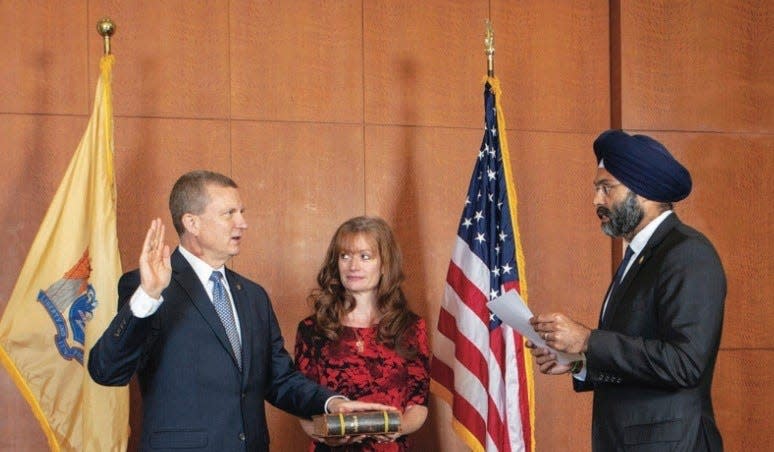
(651, 360)
(203, 340)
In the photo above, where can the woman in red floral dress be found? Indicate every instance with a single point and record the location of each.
(362, 340)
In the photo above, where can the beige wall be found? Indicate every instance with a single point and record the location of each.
(322, 110)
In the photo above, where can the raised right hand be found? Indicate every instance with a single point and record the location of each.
(155, 264)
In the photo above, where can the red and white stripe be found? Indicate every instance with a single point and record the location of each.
(482, 370)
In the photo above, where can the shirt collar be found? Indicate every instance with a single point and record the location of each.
(201, 268)
(641, 239)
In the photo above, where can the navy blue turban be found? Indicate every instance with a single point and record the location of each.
(644, 165)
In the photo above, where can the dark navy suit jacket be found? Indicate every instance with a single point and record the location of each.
(194, 395)
(650, 363)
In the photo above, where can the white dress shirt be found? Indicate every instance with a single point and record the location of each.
(143, 305)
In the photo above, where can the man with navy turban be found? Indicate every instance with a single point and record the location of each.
(651, 359)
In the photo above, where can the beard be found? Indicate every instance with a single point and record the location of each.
(623, 218)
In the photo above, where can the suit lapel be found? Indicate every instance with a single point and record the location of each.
(617, 297)
(603, 309)
(186, 277)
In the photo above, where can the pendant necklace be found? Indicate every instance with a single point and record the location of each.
(359, 345)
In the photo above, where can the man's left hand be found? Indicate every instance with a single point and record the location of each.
(546, 360)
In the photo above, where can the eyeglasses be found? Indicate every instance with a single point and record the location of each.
(605, 188)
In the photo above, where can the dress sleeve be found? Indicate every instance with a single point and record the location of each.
(305, 355)
(419, 367)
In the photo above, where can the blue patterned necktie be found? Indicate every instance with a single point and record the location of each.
(223, 308)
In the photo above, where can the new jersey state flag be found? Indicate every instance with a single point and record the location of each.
(66, 295)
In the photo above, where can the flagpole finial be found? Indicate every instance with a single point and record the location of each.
(106, 28)
(489, 47)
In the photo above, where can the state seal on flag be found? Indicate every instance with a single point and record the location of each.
(70, 302)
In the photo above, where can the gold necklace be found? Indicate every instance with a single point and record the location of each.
(359, 344)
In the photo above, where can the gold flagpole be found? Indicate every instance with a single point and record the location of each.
(106, 28)
(489, 47)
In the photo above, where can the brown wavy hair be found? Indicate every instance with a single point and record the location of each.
(332, 302)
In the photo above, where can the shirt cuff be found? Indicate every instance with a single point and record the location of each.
(327, 411)
(143, 305)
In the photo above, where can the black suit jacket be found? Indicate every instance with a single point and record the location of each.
(194, 395)
(650, 363)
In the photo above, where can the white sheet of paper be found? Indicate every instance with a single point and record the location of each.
(512, 310)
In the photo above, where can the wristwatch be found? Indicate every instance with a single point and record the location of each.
(577, 366)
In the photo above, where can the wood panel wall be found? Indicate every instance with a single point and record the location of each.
(697, 76)
(323, 110)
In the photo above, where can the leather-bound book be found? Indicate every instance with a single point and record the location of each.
(357, 423)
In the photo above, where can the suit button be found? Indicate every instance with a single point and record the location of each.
(244, 395)
(242, 436)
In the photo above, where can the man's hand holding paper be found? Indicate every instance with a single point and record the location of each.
(561, 333)
(565, 338)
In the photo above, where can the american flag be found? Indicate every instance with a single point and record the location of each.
(479, 364)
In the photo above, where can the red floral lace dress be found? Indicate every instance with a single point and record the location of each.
(360, 368)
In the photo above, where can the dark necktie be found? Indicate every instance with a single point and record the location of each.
(223, 308)
(621, 268)
(614, 285)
